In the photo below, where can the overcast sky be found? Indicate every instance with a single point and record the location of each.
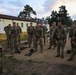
(43, 8)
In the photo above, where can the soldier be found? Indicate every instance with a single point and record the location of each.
(19, 31)
(38, 37)
(53, 35)
(44, 29)
(61, 40)
(14, 36)
(74, 45)
(71, 34)
(7, 31)
(30, 31)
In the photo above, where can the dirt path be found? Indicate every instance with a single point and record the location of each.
(44, 63)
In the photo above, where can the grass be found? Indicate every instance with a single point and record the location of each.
(3, 37)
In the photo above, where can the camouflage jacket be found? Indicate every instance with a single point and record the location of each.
(60, 33)
(7, 30)
(30, 30)
(13, 32)
(52, 32)
(19, 30)
(38, 32)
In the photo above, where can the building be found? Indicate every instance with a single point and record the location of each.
(6, 19)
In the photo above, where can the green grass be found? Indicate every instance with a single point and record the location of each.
(3, 37)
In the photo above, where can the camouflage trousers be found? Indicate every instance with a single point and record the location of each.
(60, 47)
(8, 40)
(73, 53)
(30, 40)
(19, 39)
(37, 41)
(53, 42)
(14, 44)
(44, 39)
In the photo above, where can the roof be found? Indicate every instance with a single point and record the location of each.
(2, 16)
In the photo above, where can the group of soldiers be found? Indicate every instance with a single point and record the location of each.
(13, 37)
(37, 35)
(58, 37)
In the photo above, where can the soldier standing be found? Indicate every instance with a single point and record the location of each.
(7, 31)
(53, 35)
(30, 31)
(14, 36)
(73, 42)
(44, 29)
(61, 40)
(19, 31)
(71, 35)
(38, 37)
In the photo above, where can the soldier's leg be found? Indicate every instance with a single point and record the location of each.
(50, 44)
(33, 41)
(72, 55)
(12, 45)
(7, 40)
(58, 49)
(16, 46)
(36, 43)
(41, 45)
(44, 40)
(54, 42)
(29, 40)
(62, 43)
(19, 39)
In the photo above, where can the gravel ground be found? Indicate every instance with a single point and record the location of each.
(39, 63)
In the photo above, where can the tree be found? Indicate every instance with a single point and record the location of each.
(53, 16)
(26, 13)
(64, 16)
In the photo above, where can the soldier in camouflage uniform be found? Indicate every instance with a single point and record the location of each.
(74, 45)
(38, 37)
(19, 31)
(14, 35)
(7, 31)
(53, 35)
(61, 40)
(44, 29)
(30, 31)
(71, 34)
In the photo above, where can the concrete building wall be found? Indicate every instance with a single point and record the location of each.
(22, 24)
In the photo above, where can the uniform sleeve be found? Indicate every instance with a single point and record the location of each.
(64, 34)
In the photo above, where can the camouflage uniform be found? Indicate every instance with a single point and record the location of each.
(74, 45)
(38, 37)
(71, 35)
(19, 31)
(30, 31)
(7, 31)
(52, 37)
(14, 42)
(61, 40)
(44, 29)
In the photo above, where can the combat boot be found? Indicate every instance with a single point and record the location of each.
(57, 56)
(70, 59)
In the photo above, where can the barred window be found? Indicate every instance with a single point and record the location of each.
(21, 24)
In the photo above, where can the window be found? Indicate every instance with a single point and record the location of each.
(26, 24)
(21, 24)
